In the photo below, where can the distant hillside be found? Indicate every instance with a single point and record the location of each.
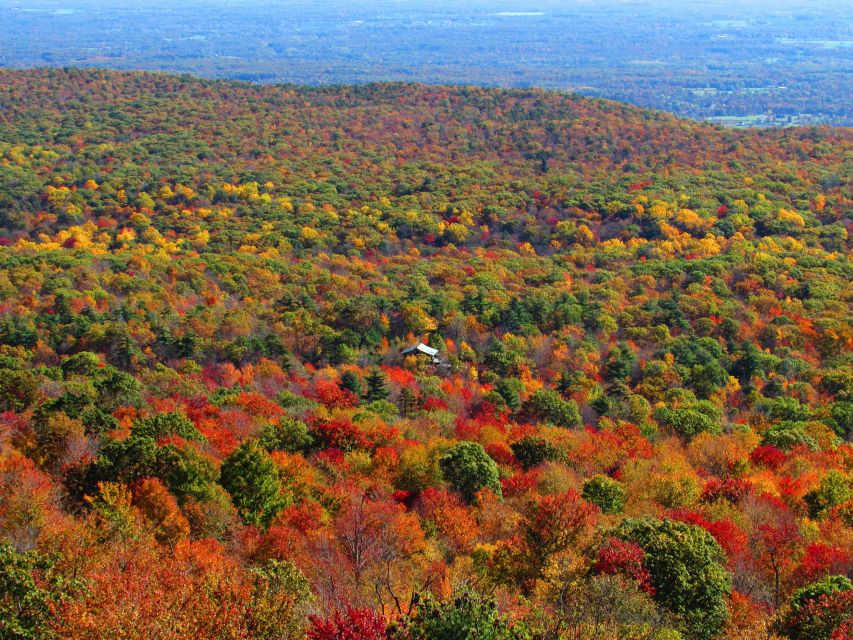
(507, 124)
(753, 64)
(167, 123)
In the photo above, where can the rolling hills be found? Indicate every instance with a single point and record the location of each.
(208, 428)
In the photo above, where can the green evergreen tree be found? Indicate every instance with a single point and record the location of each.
(84, 363)
(620, 362)
(117, 389)
(547, 405)
(687, 569)
(532, 451)
(161, 425)
(351, 382)
(18, 390)
(30, 590)
(835, 488)
(251, 478)
(468, 468)
(467, 615)
(377, 387)
(289, 435)
(819, 608)
(509, 388)
(408, 403)
(606, 493)
(567, 382)
(187, 473)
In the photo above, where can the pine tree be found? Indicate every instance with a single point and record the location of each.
(468, 468)
(251, 478)
(351, 382)
(408, 403)
(377, 388)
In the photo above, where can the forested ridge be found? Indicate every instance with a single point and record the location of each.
(639, 425)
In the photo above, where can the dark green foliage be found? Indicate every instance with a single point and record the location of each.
(117, 389)
(466, 616)
(377, 386)
(687, 569)
(620, 362)
(18, 390)
(29, 589)
(811, 616)
(784, 409)
(408, 403)
(548, 406)
(835, 488)
(187, 473)
(688, 421)
(606, 493)
(98, 423)
(702, 364)
(17, 331)
(838, 382)
(161, 425)
(842, 418)
(123, 461)
(251, 478)
(501, 360)
(84, 363)
(179, 347)
(532, 451)
(750, 361)
(788, 435)
(289, 434)
(509, 388)
(569, 381)
(468, 469)
(73, 402)
(351, 382)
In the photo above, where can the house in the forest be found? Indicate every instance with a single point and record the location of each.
(422, 350)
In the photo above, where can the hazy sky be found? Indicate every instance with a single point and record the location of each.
(815, 6)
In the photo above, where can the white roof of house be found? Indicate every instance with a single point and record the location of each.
(421, 347)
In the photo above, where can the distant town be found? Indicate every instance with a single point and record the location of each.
(738, 64)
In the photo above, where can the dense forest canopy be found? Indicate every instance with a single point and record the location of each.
(639, 425)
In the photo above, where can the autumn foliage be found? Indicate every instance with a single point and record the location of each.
(637, 423)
